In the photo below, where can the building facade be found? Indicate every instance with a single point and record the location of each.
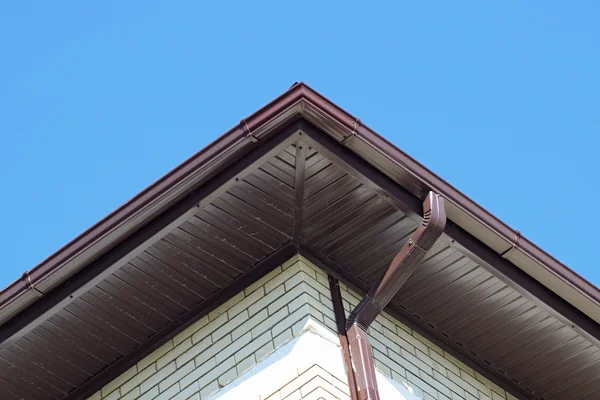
(300, 256)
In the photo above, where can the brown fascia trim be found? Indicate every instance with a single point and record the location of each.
(400, 269)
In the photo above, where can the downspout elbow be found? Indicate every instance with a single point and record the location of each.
(404, 264)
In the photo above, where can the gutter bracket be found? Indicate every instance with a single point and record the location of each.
(27, 280)
(400, 269)
(514, 244)
(247, 133)
(354, 132)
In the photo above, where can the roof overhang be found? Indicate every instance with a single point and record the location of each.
(298, 119)
(303, 102)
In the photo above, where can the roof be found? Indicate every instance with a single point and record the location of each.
(299, 175)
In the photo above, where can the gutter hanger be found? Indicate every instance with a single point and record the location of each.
(400, 269)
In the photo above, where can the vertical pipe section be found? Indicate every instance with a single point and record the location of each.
(400, 269)
(340, 320)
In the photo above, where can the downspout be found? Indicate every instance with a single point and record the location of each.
(400, 269)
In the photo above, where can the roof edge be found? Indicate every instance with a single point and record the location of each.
(299, 100)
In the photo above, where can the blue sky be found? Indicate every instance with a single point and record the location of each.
(99, 99)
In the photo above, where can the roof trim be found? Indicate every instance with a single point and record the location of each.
(299, 100)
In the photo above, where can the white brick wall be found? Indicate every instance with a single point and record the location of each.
(308, 367)
(314, 383)
(234, 338)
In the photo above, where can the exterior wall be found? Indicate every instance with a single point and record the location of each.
(269, 326)
(310, 366)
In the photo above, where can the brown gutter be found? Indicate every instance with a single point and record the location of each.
(400, 269)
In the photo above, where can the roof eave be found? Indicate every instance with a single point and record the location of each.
(300, 101)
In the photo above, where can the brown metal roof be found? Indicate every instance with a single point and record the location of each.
(299, 173)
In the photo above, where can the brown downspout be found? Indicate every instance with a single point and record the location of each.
(400, 269)
(340, 320)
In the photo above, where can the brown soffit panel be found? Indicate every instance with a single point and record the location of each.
(222, 241)
(451, 295)
(110, 261)
(302, 101)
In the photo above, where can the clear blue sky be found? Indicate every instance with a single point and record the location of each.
(99, 99)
